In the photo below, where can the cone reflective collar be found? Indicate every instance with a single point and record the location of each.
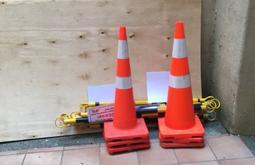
(123, 82)
(180, 127)
(126, 132)
(179, 48)
(179, 81)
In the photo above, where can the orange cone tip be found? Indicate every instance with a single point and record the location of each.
(122, 33)
(179, 30)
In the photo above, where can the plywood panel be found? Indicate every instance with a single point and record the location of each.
(50, 51)
(80, 14)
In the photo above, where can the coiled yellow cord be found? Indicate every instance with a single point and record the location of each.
(59, 122)
(212, 104)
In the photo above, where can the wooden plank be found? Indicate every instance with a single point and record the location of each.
(46, 66)
(80, 14)
(83, 14)
(15, 2)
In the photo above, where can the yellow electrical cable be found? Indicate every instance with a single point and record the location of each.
(75, 114)
(209, 105)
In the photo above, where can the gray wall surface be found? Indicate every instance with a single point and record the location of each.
(228, 61)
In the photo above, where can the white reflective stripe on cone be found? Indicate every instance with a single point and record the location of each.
(123, 82)
(122, 49)
(179, 48)
(179, 81)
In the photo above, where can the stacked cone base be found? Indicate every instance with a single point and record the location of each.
(181, 145)
(173, 138)
(125, 140)
(127, 147)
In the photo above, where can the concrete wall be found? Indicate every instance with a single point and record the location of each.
(227, 60)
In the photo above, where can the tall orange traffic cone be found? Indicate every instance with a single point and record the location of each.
(126, 132)
(180, 127)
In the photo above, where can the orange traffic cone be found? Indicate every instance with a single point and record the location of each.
(180, 127)
(126, 132)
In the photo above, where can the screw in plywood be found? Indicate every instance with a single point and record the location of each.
(55, 84)
(106, 68)
(24, 43)
(131, 35)
(168, 38)
(82, 36)
(102, 32)
(85, 76)
(103, 50)
(129, 11)
(83, 55)
(53, 41)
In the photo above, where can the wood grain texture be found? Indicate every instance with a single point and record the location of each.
(50, 51)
